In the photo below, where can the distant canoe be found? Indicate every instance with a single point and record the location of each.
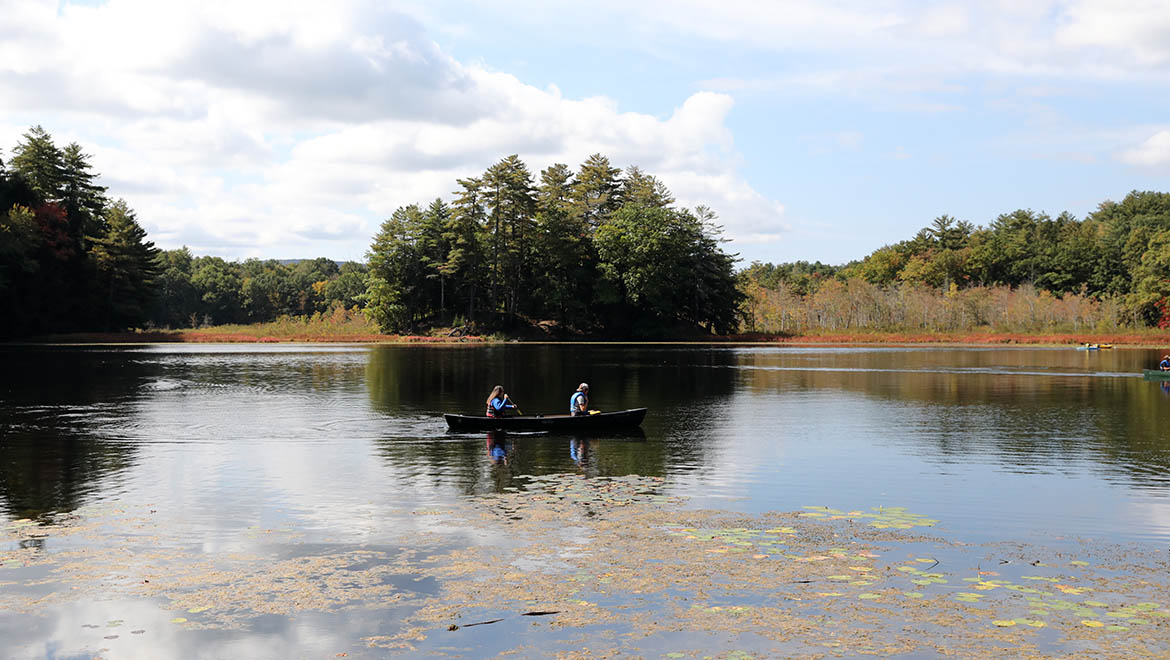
(1094, 347)
(604, 420)
(1155, 374)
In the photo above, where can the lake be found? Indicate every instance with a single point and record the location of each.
(308, 501)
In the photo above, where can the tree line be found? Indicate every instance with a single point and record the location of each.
(200, 291)
(597, 250)
(1108, 270)
(70, 257)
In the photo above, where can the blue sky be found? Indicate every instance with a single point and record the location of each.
(817, 130)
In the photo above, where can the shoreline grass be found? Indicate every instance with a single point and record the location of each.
(297, 331)
(351, 326)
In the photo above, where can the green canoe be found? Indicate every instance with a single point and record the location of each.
(1155, 374)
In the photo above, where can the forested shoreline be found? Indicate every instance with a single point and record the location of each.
(599, 252)
(1023, 272)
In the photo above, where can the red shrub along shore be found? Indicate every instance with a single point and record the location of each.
(1134, 339)
(198, 336)
(212, 337)
(242, 335)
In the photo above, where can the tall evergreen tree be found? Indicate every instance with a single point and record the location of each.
(395, 277)
(509, 200)
(564, 257)
(644, 189)
(126, 269)
(464, 234)
(40, 164)
(597, 190)
(83, 199)
(433, 250)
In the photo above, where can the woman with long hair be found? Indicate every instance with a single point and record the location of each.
(498, 402)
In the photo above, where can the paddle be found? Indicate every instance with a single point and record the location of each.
(516, 407)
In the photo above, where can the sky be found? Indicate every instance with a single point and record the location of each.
(817, 130)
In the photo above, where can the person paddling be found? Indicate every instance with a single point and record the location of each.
(498, 403)
(579, 402)
(1164, 365)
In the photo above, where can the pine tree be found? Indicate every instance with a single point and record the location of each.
(127, 268)
(40, 164)
(563, 255)
(84, 200)
(433, 250)
(597, 191)
(509, 200)
(464, 234)
(644, 189)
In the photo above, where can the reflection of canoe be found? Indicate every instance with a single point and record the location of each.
(603, 420)
(1155, 374)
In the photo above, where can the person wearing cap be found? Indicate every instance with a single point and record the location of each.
(579, 402)
(1164, 365)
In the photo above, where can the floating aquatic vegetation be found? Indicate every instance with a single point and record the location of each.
(877, 517)
(614, 559)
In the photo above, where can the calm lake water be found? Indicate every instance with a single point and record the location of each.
(345, 444)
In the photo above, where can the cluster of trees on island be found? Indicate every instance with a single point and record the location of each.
(592, 250)
(597, 251)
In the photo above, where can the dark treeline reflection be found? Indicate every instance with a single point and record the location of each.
(1030, 409)
(55, 402)
(39, 475)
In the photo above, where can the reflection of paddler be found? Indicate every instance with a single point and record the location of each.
(579, 450)
(496, 449)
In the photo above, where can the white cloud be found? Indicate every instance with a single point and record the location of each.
(1046, 37)
(918, 55)
(1132, 30)
(276, 129)
(1153, 152)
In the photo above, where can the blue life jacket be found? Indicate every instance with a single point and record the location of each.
(573, 401)
(1164, 364)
